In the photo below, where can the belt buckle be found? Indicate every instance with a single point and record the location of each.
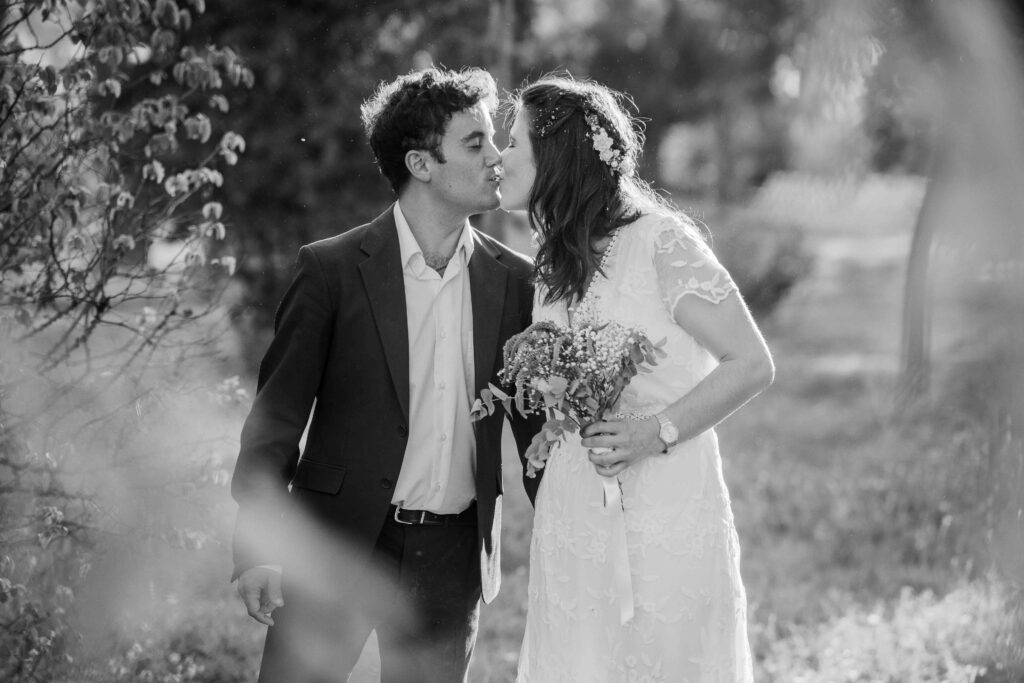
(422, 519)
(398, 509)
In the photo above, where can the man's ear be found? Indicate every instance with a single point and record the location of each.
(417, 163)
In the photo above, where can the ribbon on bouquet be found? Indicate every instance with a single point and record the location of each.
(618, 553)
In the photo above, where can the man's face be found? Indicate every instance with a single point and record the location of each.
(468, 180)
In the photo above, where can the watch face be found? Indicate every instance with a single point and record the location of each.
(669, 434)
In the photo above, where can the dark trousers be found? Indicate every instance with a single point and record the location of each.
(422, 596)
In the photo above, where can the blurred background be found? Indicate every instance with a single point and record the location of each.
(860, 165)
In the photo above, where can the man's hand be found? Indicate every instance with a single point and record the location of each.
(260, 590)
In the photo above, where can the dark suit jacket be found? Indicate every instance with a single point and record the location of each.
(340, 349)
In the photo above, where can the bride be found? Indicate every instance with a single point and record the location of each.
(647, 588)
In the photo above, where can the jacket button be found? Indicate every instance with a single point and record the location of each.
(403, 431)
(385, 483)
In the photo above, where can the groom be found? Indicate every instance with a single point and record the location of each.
(390, 519)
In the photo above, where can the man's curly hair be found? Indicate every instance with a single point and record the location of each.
(413, 111)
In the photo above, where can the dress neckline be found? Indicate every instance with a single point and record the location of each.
(586, 302)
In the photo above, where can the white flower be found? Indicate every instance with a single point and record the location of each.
(228, 262)
(604, 145)
(154, 170)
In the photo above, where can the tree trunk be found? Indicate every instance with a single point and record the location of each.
(725, 152)
(915, 351)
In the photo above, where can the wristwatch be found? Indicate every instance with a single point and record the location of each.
(668, 432)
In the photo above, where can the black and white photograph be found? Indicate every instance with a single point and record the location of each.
(512, 341)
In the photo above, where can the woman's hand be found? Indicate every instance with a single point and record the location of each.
(629, 441)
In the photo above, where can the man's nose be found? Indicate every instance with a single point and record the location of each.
(493, 156)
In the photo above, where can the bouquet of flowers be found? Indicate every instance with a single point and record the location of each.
(575, 375)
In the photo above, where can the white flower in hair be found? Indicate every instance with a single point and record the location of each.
(603, 144)
(605, 147)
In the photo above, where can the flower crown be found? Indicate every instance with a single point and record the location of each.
(616, 159)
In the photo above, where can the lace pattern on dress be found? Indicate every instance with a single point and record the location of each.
(687, 266)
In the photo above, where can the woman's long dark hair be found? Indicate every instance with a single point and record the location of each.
(577, 199)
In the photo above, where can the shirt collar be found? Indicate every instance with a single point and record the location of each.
(409, 247)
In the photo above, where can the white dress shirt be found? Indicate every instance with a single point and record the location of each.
(438, 470)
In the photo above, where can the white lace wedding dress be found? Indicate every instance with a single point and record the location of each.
(689, 622)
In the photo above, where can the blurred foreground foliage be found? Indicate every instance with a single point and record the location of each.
(112, 156)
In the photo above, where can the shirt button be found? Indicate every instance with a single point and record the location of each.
(444, 437)
(440, 385)
(385, 483)
(444, 334)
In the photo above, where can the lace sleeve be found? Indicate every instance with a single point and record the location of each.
(686, 265)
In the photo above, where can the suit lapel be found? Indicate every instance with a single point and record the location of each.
(385, 290)
(487, 280)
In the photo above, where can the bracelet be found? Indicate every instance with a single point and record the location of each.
(639, 417)
(635, 416)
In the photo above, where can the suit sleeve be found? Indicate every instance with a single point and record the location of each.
(289, 379)
(524, 428)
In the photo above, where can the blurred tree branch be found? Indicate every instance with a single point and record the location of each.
(109, 234)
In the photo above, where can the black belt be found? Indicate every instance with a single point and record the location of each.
(423, 517)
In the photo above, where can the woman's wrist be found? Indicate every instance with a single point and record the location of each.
(648, 430)
(652, 428)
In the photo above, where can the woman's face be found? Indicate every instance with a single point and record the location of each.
(519, 168)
